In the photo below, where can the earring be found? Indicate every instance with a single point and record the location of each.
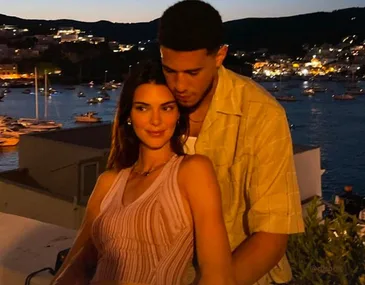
(129, 122)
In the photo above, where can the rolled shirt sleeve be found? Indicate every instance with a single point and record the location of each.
(274, 195)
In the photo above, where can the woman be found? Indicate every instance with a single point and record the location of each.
(148, 210)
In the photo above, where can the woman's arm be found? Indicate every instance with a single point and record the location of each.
(198, 181)
(79, 268)
(83, 256)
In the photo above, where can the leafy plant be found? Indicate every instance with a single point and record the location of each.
(330, 251)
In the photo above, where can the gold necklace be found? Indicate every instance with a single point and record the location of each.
(148, 172)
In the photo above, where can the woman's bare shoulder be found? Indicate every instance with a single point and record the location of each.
(197, 181)
(196, 161)
(108, 176)
(103, 184)
(193, 166)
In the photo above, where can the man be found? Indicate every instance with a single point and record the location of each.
(245, 133)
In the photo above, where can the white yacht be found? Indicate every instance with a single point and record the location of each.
(39, 124)
(6, 120)
(6, 141)
(309, 92)
(88, 117)
(35, 124)
(95, 100)
(81, 94)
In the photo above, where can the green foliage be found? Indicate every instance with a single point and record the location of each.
(329, 252)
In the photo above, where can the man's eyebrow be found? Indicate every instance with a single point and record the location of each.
(187, 70)
(167, 67)
(193, 70)
(163, 104)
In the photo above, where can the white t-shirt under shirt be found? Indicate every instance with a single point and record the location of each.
(190, 145)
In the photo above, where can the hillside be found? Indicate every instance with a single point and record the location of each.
(286, 34)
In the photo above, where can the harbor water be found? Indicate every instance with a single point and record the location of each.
(337, 127)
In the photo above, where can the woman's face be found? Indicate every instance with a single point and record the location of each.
(154, 115)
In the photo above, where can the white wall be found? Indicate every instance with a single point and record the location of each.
(308, 168)
(55, 164)
(25, 202)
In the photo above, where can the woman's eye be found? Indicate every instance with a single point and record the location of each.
(141, 108)
(168, 108)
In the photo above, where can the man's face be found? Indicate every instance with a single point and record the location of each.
(190, 74)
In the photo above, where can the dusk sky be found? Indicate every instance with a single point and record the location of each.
(143, 10)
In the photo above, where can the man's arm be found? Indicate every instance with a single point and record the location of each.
(274, 199)
(257, 255)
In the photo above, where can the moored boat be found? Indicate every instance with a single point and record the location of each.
(88, 117)
(343, 97)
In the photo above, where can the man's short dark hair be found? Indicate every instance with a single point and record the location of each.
(190, 25)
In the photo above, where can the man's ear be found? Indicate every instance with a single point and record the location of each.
(221, 55)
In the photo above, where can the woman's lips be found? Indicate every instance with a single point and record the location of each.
(155, 133)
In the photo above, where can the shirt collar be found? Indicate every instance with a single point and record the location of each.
(224, 98)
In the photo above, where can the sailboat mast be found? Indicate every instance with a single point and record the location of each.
(45, 94)
(36, 92)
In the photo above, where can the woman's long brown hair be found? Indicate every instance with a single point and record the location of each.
(124, 150)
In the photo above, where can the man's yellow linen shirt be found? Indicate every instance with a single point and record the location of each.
(246, 136)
